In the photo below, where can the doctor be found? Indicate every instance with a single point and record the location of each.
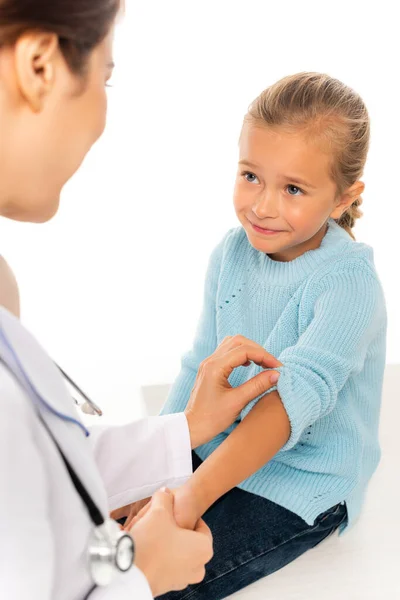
(58, 484)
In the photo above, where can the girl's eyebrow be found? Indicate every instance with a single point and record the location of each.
(249, 164)
(299, 180)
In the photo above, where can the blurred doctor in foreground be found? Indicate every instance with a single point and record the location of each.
(57, 482)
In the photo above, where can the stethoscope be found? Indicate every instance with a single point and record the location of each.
(110, 550)
(88, 406)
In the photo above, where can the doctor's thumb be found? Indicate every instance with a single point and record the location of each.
(255, 387)
(163, 499)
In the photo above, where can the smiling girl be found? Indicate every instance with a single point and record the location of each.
(295, 466)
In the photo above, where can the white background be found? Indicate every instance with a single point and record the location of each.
(113, 285)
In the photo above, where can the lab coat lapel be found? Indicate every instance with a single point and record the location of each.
(45, 386)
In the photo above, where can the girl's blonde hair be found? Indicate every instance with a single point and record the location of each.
(328, 110)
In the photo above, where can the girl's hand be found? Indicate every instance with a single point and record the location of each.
(129, 511)
(214, 405)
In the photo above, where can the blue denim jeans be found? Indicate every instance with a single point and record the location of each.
(253, 537)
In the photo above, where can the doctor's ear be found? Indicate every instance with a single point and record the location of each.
(36, 55)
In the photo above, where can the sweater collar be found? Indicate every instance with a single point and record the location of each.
(335, 242)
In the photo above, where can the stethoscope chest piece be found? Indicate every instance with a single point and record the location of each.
(110, 551)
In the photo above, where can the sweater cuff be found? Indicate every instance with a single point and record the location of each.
(296, 400)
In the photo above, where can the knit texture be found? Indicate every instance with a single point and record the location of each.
(323, 315)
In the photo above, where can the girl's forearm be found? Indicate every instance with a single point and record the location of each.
(262, 433)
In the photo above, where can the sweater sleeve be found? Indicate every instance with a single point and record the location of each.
(348, 314)
(205, 342)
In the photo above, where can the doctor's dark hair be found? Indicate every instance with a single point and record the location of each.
(327, 110)
(80, 25)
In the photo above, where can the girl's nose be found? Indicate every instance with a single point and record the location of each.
(266, 206)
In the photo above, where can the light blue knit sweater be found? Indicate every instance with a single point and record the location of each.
(323, 315)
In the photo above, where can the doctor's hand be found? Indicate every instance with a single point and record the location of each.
(171, 558)
(214, 405)
(187, 508)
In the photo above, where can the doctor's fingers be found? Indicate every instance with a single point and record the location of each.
(222, 366)
(202, 549)
(231, 343)
(198, 552)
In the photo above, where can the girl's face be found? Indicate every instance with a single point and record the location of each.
(284, 194)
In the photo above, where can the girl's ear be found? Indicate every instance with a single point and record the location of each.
(347, 198)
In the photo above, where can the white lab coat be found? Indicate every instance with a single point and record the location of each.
(44, 525)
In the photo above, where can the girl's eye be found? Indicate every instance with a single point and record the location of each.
(293, 190)
(250, 177)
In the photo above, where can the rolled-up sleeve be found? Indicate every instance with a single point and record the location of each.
(349, 311)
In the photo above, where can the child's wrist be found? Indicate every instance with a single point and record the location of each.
(200, 493)
(196, 439)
